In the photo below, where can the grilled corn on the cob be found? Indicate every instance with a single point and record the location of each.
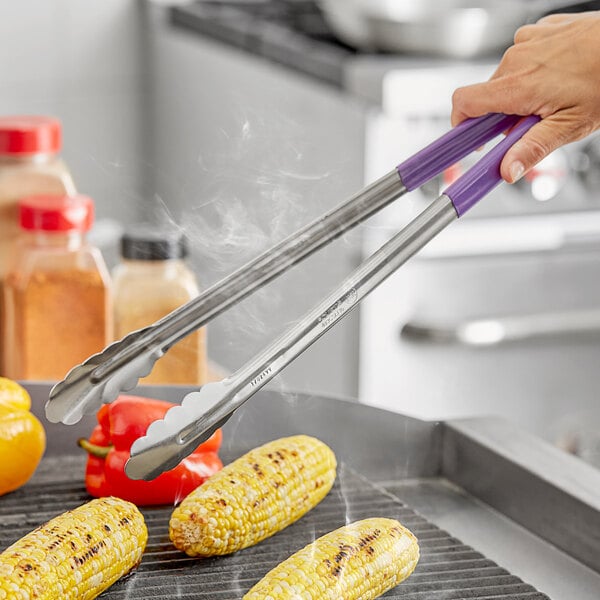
(360, 561)
(76, 555)
(254, 497)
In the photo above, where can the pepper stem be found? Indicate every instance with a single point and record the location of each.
(94, 449)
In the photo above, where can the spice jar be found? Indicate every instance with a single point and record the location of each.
(151, 281)
(29, 165)
(57, 293)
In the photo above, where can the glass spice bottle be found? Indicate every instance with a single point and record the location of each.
(152, 281)
(57, 292)
(29, 165)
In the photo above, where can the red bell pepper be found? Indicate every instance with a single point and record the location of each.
(119, 425)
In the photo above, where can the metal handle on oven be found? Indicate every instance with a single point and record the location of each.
(495, 331)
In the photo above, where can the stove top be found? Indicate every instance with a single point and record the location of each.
(498, 513)
(292, 33)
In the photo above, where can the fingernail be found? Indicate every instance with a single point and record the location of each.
(516, 170)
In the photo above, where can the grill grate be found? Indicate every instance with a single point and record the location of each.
(448, 569)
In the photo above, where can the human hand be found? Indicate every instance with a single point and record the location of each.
(552, 70)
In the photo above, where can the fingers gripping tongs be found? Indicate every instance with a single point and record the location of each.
(120, 365)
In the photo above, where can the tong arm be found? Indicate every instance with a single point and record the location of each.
(118, 368)
(169, 440)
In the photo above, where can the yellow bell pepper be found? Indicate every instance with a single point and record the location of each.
(22, 437)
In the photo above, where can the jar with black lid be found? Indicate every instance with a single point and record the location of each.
(151, 281)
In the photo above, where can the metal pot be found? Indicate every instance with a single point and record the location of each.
(452, 28)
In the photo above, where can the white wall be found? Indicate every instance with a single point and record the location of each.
(81, 61)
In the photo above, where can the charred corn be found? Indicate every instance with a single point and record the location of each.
(76, 555)
(254, 497)
(360, 561)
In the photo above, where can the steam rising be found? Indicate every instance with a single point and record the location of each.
(234, 204)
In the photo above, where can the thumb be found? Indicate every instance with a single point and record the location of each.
(536, 144)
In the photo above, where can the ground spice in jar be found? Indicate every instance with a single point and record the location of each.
(57, 296)
(185, 363)
(58, 321)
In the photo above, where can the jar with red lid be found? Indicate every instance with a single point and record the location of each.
(58, 305)
(30, 164)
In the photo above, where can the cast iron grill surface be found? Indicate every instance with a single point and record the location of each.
(448, 569)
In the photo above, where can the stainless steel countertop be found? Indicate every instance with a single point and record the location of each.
(500, 538)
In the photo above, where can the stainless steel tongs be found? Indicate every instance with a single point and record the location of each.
(184, 427)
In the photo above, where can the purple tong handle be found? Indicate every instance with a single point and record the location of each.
(451, 147)
(484, 176)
